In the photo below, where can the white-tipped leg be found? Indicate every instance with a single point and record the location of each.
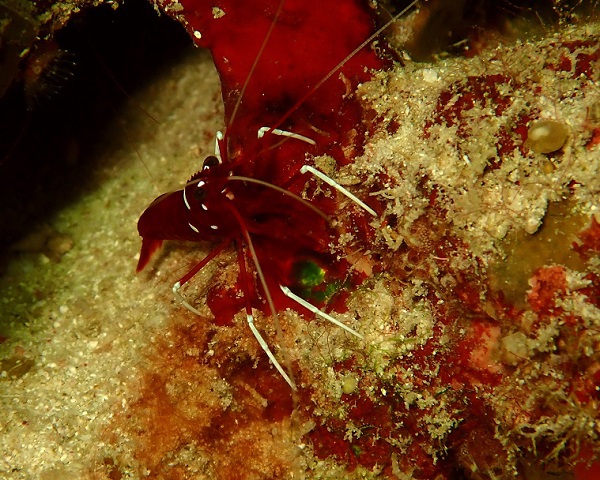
(284, 133)
(309, 306)
(255, 332)
(267, 350)
(182, 300)
(338, 187)
(218, 138)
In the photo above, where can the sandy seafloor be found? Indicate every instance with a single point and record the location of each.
(86, 321)
(82, 331)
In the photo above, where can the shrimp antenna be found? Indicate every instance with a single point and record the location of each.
(342, 63)
(256, 60)
(283, 191)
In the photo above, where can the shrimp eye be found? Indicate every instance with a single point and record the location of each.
(200, 194)
(210, 161)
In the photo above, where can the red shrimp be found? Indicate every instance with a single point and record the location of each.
(281, 113)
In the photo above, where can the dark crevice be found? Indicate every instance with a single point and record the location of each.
(48, 127)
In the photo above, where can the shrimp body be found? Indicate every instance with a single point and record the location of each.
(185, 215)
(288, 73)
(218, 205)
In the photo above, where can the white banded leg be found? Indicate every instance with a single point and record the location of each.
(199, 266)
(249, 316)
(267, 350)
(180, 298)
(309, 306)
(314, 171)
(284, 133)
(218, 138)
(255, 332)
(338, 187)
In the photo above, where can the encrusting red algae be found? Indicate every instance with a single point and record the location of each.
(446, 378)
